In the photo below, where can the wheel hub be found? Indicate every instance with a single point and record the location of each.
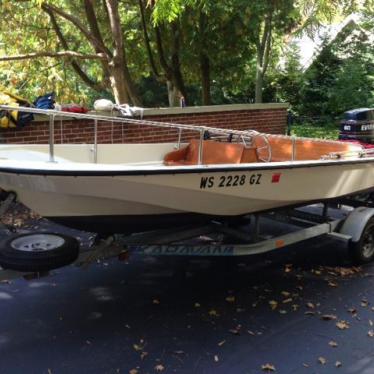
(368, 245)
(37, 242)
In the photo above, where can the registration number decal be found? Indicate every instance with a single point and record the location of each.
(225, 181)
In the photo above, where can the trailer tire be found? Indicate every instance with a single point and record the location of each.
(37, 252)
(362, 251)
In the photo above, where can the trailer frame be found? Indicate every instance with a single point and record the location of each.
(213, 239)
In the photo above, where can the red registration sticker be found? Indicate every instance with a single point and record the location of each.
(276, 178)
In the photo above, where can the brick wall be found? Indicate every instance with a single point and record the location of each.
(268, 118)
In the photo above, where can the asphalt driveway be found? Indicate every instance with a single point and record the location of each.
(303, 309)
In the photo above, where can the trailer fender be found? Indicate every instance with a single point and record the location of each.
(356, 222)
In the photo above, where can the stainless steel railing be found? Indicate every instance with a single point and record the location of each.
(52, 114)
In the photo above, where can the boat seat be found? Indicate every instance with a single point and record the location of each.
(306, 149)
(236, 153)
(213, 153)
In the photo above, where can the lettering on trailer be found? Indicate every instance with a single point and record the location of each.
(225, 181)
(184, 250)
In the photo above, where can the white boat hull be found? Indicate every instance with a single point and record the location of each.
(143, 194)
(141, 186)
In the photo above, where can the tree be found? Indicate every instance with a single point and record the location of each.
(167, 36)
(109, 50)
(268, 19)
(342, 75)
(275, 22)
(225, 51)
(212, 36)
(288, 77)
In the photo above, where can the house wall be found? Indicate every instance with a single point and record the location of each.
(268, 118)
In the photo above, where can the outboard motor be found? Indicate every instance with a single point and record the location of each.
(358, 125)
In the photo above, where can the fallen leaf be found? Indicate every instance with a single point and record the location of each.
(371, 333)
(236, 330)
(178, 352)
(159, 368)
(364, 303)
(310, 305)
(251, 333)
(138, 347)
(342, 325)
(143, 355)
(352, 310)
(285, 293)
(295, 307)
(328, 317)
(338, 364)
(322, 360)
(230, 299)
(197, 305)
(288, 268)
(371, 322)
(273, 304)
(305, 365)
(133, 371)
(213, 313)
(333, 343)
(332, 284)
(220, 344)
(344, 272)
(286, 301)
(282, 311)
(268, 367)
(216, 359)
(156, 301)
(309, 313)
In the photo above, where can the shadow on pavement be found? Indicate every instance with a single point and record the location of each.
(220, 316)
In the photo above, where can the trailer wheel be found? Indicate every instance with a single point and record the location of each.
(38, 252)
(362, 251)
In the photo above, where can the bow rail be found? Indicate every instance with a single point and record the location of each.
(201, 130)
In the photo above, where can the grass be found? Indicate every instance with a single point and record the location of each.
(327, 131)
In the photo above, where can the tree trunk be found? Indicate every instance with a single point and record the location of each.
(123, 87)
(259, 83)
(178, 80)
(263, 46)
(204, 59)
(172, 72)
(118, 84)
(173, 94)
(205, 78)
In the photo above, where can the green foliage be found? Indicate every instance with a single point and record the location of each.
(329, 130)
(288, 78)
(28, 29)
(225, 32)
(342, 76)
(167, 10)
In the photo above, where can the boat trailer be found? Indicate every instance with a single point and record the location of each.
(246, 236)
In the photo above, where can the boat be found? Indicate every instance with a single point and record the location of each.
(216, 174)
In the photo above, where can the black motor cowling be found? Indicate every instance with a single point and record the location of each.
(358, 124)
